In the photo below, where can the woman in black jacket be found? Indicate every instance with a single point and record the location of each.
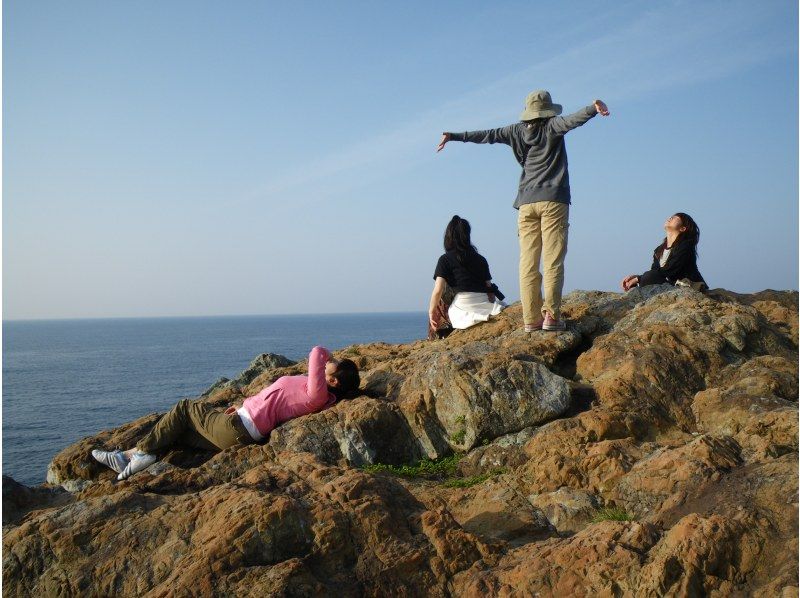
(675, 259)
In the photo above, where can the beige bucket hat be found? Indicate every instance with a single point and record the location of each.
(539, 104)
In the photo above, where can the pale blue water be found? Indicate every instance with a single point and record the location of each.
(66, 379)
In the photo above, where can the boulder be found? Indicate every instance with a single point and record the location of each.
(567, 510)
(602, 560)
(756, 403)
(359, 432)
(669, 474)
(457, 399)
(496, 510)
(651, 449)
(19, 499)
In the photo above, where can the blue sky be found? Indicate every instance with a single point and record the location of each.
(201, 158)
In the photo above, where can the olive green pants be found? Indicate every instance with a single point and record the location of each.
(198, 425)
(543, 228)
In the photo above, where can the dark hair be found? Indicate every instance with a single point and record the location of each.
(456, 238)
(347, 375)
(537, 122)
(691, 235)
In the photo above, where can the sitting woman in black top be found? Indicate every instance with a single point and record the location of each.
(467, 273)
(675, 259)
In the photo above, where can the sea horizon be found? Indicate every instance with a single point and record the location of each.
(64, 379)
(189, 317)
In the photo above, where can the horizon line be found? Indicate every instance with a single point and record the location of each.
(189, 317)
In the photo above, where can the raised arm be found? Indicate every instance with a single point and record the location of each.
(501, 135)
(561, 125)
(317, 387)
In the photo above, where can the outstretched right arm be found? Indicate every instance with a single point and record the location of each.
(501, 135)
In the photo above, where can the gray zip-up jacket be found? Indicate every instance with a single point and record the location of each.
(540, 151)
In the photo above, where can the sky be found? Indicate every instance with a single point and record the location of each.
(207, 158)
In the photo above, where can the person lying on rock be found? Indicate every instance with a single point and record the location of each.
(467, 272)
(199, 425)
(675, 260)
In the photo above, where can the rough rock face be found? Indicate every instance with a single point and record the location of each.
(19, 500)
(673, 412)
(453, 400)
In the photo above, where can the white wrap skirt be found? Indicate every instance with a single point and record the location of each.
(468, 309)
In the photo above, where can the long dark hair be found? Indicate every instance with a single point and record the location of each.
(347, 375)
(691, 235)
(457, 238)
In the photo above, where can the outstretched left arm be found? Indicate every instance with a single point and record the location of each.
(561, 125)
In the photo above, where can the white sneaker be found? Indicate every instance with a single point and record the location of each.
(139, 461)
(116, 460)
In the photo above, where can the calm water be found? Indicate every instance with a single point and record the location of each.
(66, 379)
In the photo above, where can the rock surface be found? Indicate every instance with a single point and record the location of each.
(673, 412)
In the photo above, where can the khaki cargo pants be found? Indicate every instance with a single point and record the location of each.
(543, 228)
(196, 424)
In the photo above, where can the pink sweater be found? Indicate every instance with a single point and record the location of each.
(292, 396)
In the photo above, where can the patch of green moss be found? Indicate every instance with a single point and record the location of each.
(611, 514)
(459, 436)
(427, 468)
(442, 470)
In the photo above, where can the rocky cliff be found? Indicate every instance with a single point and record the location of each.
(650, 450)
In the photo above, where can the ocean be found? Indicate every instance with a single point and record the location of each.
(67, 379)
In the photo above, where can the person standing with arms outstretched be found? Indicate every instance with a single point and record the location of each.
(543, 199)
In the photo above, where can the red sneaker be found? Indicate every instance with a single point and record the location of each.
(553, 325)
(534, 327)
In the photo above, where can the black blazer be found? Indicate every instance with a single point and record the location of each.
(681, 263)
